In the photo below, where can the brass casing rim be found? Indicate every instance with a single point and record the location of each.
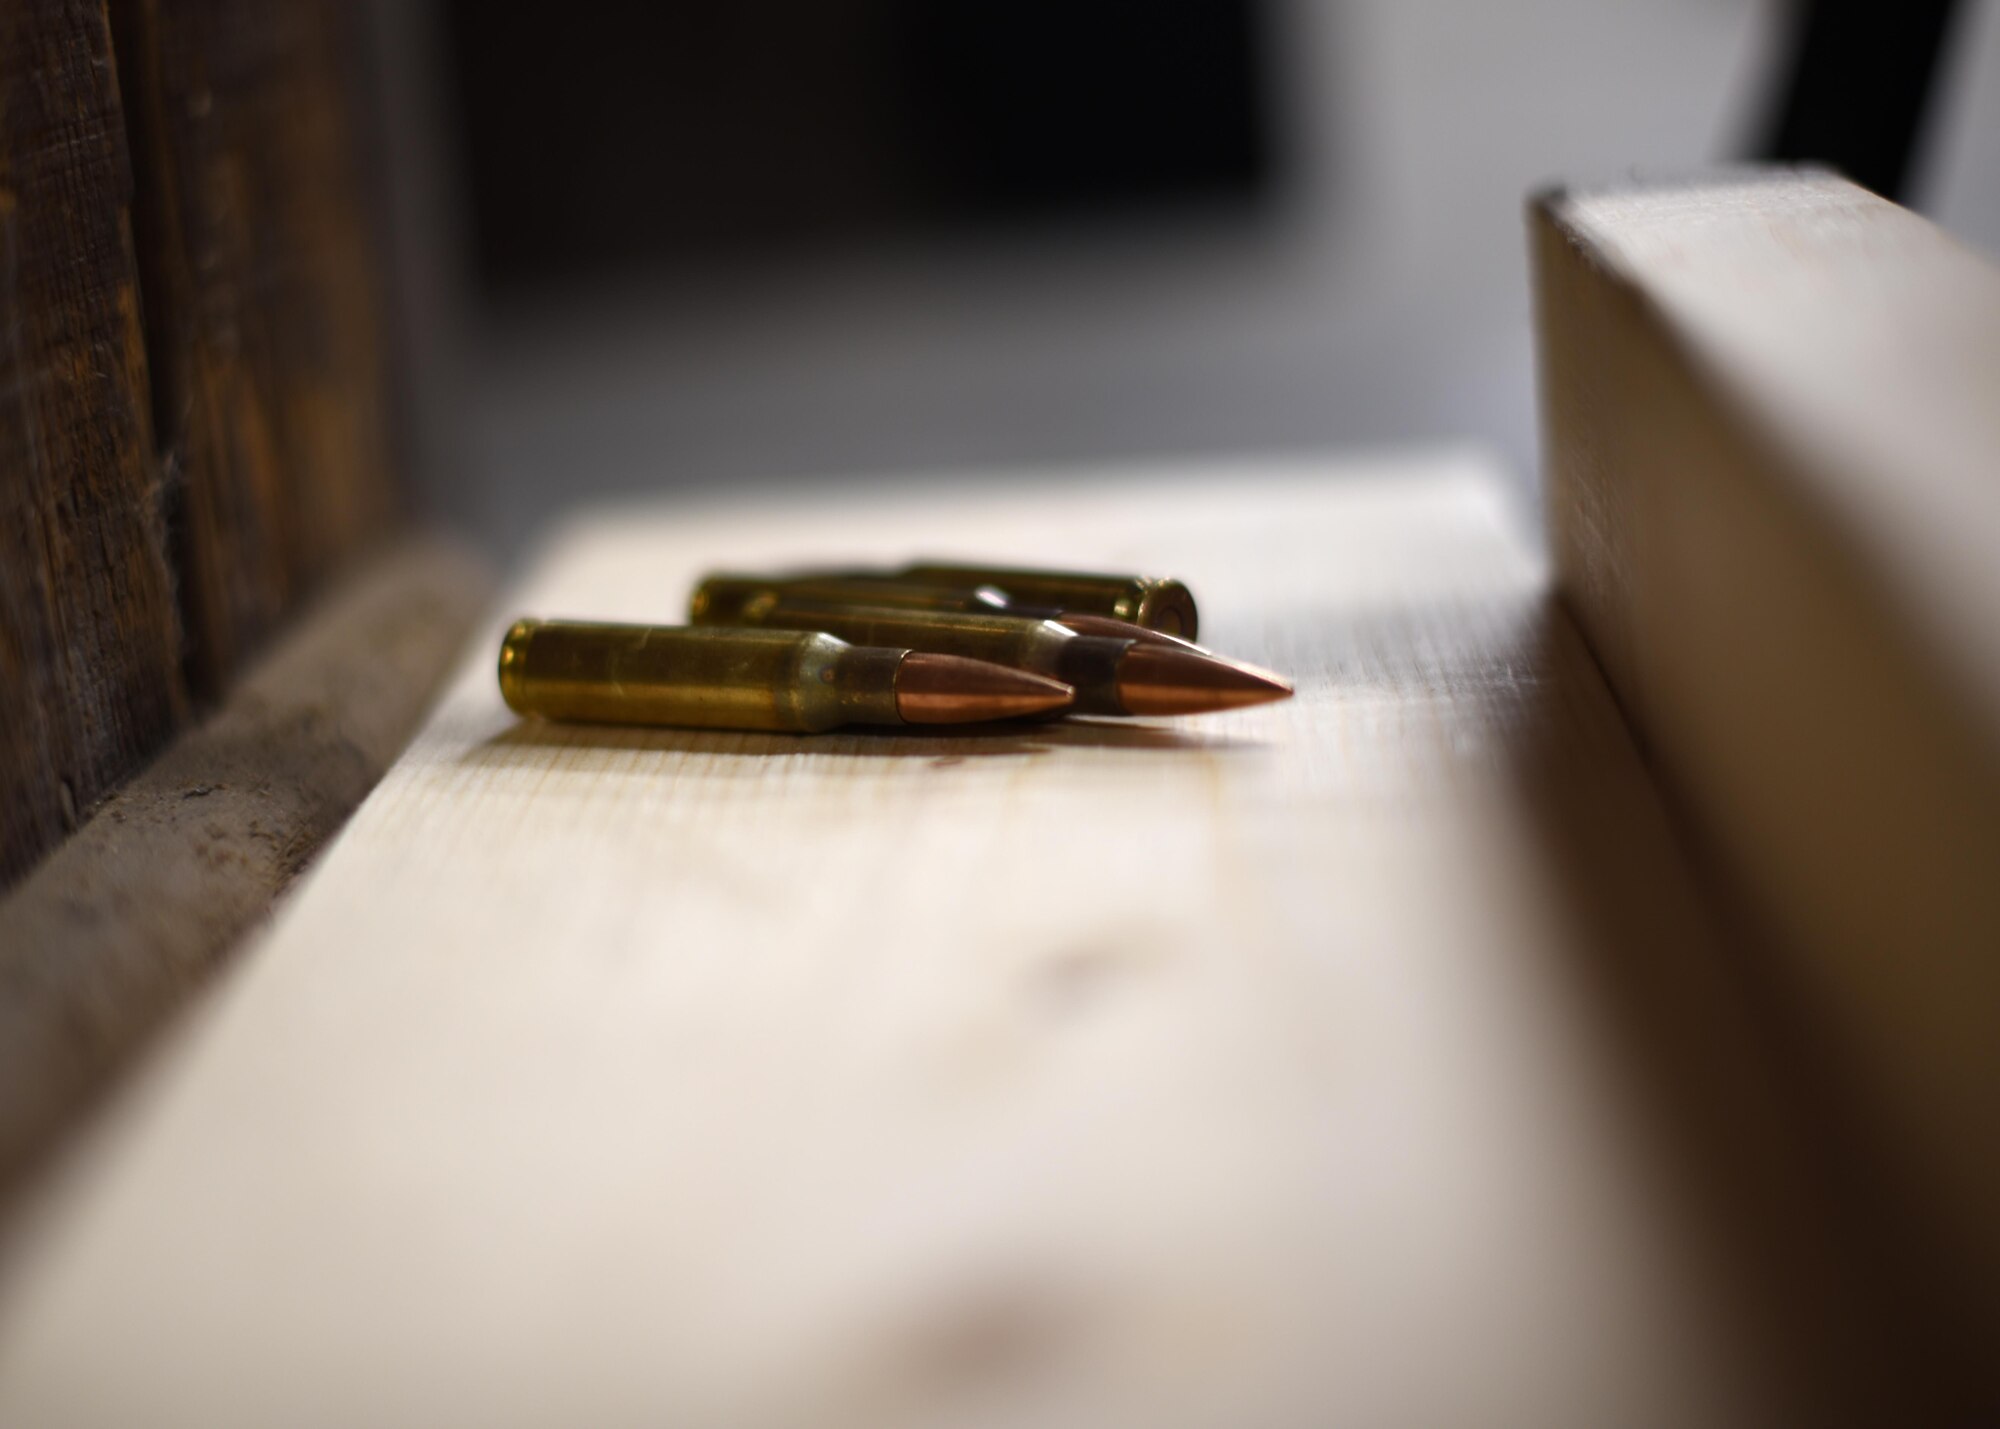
(1165, 605)
(513, 662)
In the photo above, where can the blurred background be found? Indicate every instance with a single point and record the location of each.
(703, 249)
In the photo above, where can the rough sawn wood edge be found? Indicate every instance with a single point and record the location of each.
(118, 926)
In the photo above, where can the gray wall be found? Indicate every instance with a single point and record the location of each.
(1387, 304)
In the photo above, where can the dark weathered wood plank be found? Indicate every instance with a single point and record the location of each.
(89, 645)
(263, 308)
(118, 926)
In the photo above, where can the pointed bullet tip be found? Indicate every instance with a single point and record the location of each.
(949, 689)
(1161, 680)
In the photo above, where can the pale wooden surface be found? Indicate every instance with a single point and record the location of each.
(1773, 414)
(1365, 1059)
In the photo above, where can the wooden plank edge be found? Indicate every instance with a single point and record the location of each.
(1883, 987)
(123, 922)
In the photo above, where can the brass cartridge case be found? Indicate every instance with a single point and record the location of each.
(722, 599)
(1087, 663)
(1157, 603)
(735, 600)
(711, 678)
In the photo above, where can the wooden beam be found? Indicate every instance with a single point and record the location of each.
(1371, 1057)
(129, 918)
(1773, 435)
(264, 304)
(89, 641)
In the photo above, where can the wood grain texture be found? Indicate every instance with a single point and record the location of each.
(263, 304)
(89, 644)
(1369, 1058)
(124, 922)
(1773, 429)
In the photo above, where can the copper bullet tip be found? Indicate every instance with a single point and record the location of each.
(1113, 628)
(949, 689)
(1161, 680)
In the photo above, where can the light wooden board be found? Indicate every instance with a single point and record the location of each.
(1773, 412)
(1370, 1058)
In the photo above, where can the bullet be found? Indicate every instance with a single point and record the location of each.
(1110, 677)
(720, 599)
(733, 678)
(1154, 602)
(724, 599)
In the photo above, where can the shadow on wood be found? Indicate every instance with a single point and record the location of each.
(955, 743)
